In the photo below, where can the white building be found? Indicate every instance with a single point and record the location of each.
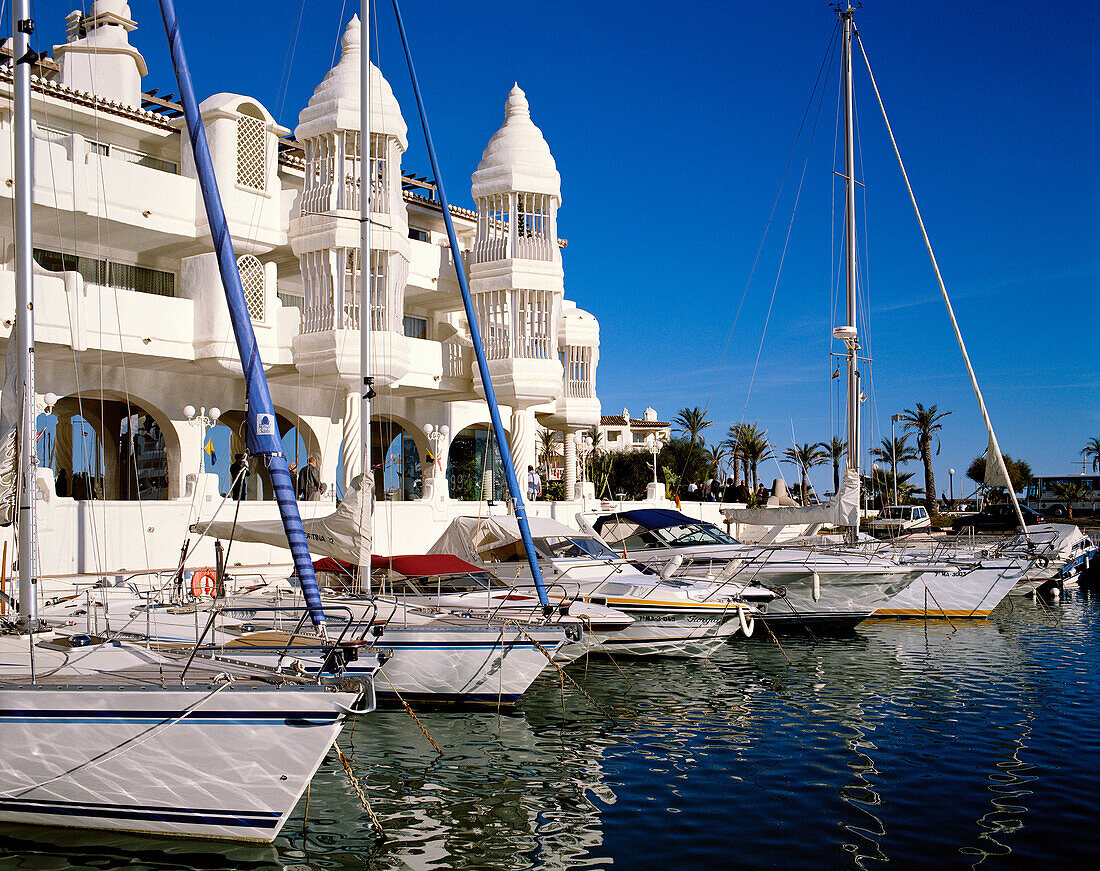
(621, 432)
(130, 315)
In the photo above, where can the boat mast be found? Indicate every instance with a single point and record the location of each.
(22, 27)
(366, 482)
(850, 334)
(479, 350)
(262, 433)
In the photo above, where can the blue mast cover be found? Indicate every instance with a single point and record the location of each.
(263, 436)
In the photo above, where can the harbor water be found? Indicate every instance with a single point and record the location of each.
(918, 744)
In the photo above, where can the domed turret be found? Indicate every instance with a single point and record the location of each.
(325, 234)
(517, 158)
(335, 103)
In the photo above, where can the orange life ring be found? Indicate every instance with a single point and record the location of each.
(203, 583)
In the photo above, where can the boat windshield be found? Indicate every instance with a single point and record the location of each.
(694, 533)
(571, 547)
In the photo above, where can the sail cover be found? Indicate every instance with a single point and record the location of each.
(10, 411)
(340, 535)
(841, 510)
(470, 538)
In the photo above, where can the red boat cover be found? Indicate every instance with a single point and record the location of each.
(409, 565)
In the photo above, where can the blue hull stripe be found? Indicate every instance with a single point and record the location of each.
(200, 817)
(451, 698)
(61, 715)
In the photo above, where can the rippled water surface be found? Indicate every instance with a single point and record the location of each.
(909, 743)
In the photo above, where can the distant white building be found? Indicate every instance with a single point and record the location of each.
(131, 320)
(621, 432)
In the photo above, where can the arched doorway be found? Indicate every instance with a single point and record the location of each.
(103, 448)
(298, 443)
(475, 470)
(396, 460)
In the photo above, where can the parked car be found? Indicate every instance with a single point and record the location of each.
(995, 518)
(895, 520)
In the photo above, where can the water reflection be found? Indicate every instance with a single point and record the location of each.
(907, 742)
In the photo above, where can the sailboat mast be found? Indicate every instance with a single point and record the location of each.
(22, 27)
(850, 244)
(366, 483)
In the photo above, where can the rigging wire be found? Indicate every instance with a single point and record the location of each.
(822, 69)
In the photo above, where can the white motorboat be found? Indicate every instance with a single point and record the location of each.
(677, 618)
(1061, 554)
(821, 586)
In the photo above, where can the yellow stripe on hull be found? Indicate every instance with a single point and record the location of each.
(930, 612)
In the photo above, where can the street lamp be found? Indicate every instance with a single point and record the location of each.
(653, 442)
(437, 442)
(894, 418)
(203, 419)
(951, 484)
(584, 444)
(437, 438)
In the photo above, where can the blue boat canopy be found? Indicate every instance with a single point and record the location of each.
(652, 518)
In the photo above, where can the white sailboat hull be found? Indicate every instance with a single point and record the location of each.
(972, 594)
(101, 743)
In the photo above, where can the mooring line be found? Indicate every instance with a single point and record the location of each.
(413, 715)
(563, 673)
(775, 639)
(359, 789)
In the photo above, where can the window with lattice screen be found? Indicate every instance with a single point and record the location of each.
(251, 153)
(252, 281)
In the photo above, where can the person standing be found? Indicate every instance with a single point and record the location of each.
(310, 487)
(238, 474)
(534, 484)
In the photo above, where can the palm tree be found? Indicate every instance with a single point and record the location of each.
(716, 458)
(753, 446)
(881, 485)
(732, 444)
(548, 449)
(692, 422)
(805, 457)
(896, 452)
(1071, 491)
(1092, 449)
(835, 448)
(926, 423)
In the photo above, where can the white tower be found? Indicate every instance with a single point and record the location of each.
(516, 274)
(325, 235)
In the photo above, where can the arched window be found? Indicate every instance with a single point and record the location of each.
(252, 281)
(251, 152)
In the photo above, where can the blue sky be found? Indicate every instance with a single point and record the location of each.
(672, 125)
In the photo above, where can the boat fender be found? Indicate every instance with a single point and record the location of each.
(817, 586)
(748, 624)
(669, 568)
(203, 582)
(731, 569)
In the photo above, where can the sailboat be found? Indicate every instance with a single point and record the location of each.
(431, 656)
(221, 750)
(948, 585)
